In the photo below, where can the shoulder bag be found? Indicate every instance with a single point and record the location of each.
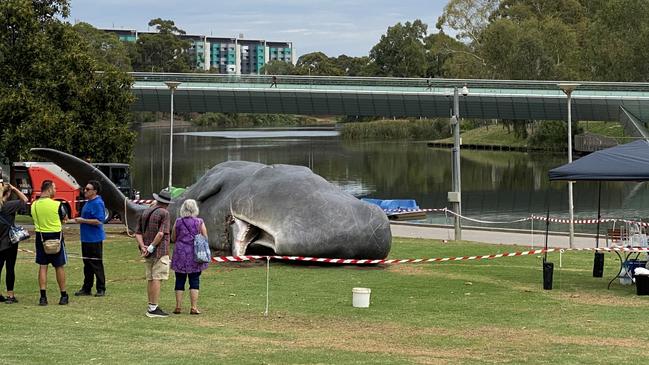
(16, 233)
(53, 245)
(202, 252)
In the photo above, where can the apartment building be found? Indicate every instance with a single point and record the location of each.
(226, 55)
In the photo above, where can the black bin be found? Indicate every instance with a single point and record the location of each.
(642, 284)
(598, 265)
(548, 270)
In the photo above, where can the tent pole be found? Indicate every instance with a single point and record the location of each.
(547, 231)
(599, 211)
(598, 259)
(548, 267)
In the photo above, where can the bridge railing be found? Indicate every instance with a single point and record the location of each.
(432, 84)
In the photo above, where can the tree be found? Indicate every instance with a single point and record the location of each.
(615, 50)
(164, 51)
(353, 66)
(50, 92)
(552, 134)
(317, 63)
(277, 67)
(534, 39)
(467, 18)
(401, 51)
(108, 49)
(450, 58)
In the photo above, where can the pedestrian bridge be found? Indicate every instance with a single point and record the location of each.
(390, 97)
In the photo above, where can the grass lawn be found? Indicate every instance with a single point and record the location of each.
(609, 129)
(497, 134)
(493, 135)
(464, 312)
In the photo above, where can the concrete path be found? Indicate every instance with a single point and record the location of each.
(500, 236)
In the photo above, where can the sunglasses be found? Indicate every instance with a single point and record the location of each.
(88, 189)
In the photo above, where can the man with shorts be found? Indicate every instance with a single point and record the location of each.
(48, 214)
(152, 236)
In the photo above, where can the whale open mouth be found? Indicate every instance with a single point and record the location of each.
(251, 239)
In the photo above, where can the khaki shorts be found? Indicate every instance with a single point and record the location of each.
(157, 269)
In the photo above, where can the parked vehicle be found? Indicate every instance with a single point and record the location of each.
(28, 177)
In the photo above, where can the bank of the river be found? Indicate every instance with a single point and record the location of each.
(298, 121)
(160, 123)
(492, 137)
(393, 129)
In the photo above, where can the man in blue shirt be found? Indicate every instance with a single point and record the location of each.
(91, 224)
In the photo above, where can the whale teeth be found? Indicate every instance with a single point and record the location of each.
(244, 235)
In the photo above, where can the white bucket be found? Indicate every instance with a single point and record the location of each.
(361, 297)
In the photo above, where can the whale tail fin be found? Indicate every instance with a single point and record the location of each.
(82, 171)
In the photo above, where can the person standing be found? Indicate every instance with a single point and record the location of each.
(8, 250)
(91, 227)
(48, 215)
(182, 262)
(152, 236)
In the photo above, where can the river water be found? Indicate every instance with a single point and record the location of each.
(499, 186)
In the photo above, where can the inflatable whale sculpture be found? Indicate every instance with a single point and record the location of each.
(252, 208)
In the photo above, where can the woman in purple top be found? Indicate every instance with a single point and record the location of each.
(182, 262)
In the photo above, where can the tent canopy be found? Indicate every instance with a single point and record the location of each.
(627, 162)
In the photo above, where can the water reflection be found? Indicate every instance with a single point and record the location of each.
(495, 185)
(261, 134)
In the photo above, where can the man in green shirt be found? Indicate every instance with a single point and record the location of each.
(48, 214)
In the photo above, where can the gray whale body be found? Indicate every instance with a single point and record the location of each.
(251, 208)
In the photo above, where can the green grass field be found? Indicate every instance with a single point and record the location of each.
(497, 135)
(463, 312)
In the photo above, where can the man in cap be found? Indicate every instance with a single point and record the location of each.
(152, 236)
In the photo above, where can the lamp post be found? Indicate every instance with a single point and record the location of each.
(455, 196)
(568, 88)
(172, 85)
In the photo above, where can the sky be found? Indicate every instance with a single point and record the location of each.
(334, 27)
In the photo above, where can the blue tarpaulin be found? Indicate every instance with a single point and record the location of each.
(627, 162)
(393, 204)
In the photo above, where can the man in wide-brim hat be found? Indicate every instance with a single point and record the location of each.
(152, 236)
(164, 197)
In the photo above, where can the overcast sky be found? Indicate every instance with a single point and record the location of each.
(334, 27)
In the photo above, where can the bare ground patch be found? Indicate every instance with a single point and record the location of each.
(605, 298)
(430, 345)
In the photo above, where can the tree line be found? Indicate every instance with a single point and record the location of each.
(51, 94)
(599, 40)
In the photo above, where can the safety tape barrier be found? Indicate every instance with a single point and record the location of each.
(579, 221)
(487, 222)
(221, 259)
(249, 258)
(532, 217)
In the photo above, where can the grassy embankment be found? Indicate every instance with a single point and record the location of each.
(395, 129)
(498, 135)
(233, 120)
(438, 129)
(454, 312)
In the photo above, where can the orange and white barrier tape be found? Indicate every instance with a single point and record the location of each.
(249, 258)
(221, 259)
(532, 217)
